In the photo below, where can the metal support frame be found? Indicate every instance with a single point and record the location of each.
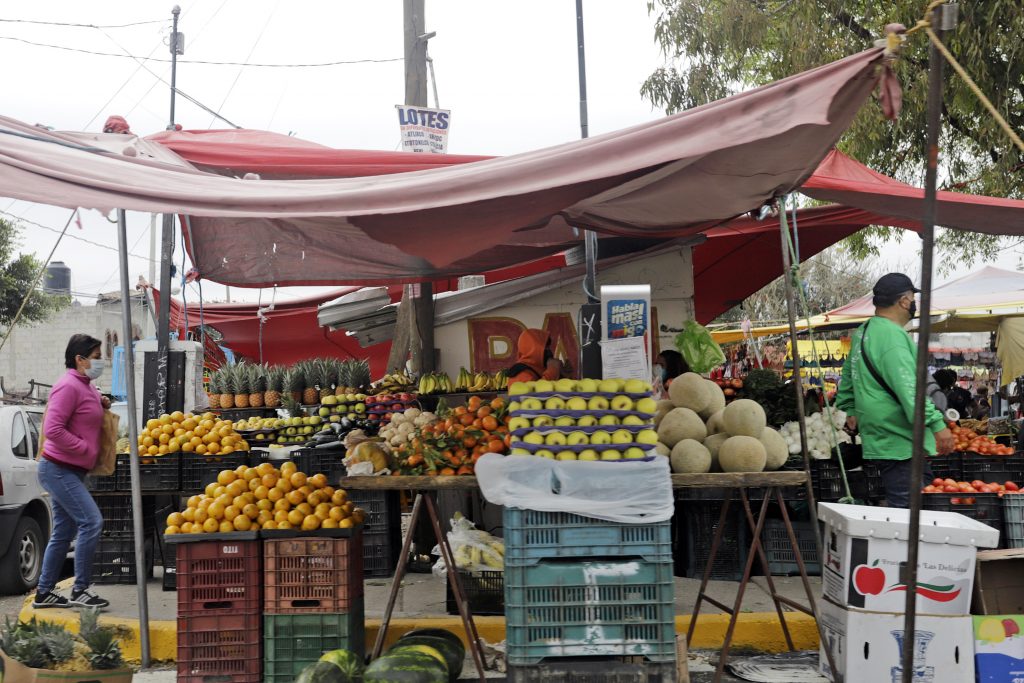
(756, 525)
(454, 582)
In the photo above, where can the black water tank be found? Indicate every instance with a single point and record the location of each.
(57, 279)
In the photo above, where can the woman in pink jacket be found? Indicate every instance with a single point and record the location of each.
(74, 420)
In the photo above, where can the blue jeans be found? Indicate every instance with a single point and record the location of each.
(896, 481)
(74, 512)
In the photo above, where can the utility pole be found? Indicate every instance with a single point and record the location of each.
(421, 338)
(589, 236)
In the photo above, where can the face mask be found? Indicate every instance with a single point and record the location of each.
(96, 368)
(659, 372)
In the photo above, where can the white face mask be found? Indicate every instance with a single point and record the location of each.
(96, 367)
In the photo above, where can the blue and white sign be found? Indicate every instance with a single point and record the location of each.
(424, 129)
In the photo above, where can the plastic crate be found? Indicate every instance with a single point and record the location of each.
(321, 460)
(380, 555)
(291, 642)
(383, 510)
(485, 591)
(102, 484)
(590, 608)
(993, 469)
(781, 559)
(700, 521)
(220, 648)
(114, 561)
(156, 474)
(827, 480)
(533, 535)
(118, 517)
(873, 480)
(199, 470)
(219, 576)
(947, 466)
(305, 575)
(1013, 520)
(986, 508)
(593, 670)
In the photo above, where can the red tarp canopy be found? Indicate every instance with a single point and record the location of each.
(673, 177)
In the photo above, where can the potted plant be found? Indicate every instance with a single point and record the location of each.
(38, 651)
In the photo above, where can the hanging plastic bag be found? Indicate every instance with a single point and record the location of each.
(472, 549)
(630, 492)
(699, 349)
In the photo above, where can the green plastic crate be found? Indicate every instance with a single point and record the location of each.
(533, 535)
(291, 642)
(618, 608)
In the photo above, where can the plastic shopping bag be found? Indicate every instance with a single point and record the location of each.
(472, 549)
(631, 492)
(701, 352)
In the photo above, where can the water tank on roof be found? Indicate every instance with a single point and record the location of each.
(57, 279)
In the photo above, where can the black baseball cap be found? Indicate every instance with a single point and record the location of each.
(893, 284)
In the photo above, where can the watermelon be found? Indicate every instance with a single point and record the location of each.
(350, 664)
(407, 666)
(425, 649)
(452, 649)
(321, 672)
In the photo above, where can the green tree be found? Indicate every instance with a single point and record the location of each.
(714, 48)
(17, 273)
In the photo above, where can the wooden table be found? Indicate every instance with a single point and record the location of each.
(733, 483)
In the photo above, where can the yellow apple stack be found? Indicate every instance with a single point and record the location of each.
(585, 419)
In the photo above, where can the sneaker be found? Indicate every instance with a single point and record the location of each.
(83, 598)
(50, 599)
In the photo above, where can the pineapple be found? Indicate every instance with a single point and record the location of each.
(275, 385)
(213, 391)
(359, 376)
(310, 394)
(104, 648)
(227, 394)
(325, 376)
(343, 375)
(294, 382)
(240, 385)
(257, 385)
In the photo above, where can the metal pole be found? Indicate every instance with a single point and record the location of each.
(589, 236)
(133, 440)
(946, 15)
(175, 12)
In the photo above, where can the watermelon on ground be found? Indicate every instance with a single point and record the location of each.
(452, 649)
(406, 667)
(350, 663)
(321, 672)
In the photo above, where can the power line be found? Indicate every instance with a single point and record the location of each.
(74, 237)
(312, 65)
(248, 57)
(61, 23)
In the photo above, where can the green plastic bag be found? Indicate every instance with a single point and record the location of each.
(700, 351)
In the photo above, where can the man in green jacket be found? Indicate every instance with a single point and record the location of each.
(878, 390)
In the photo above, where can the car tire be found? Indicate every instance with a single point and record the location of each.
(21, 566)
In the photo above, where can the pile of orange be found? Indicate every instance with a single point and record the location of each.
(453, 444)
(264, 497)
(187, 433)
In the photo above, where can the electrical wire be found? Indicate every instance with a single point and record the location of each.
(128, 55)
(238, 75)
(72, 25)
(74, 237)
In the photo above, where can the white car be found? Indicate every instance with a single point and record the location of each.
(24, 505)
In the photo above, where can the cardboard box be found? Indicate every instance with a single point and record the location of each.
(16, 672)
(866, 558)
(867, 646)
(999, 582)
(999, 648)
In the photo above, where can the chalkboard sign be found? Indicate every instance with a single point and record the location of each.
(590, 341)
(156, 402)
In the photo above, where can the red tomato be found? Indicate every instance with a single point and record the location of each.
(977, 483)
(938, 482)
(1010, 486)
(950, 489)
(948, 482)
(954, 501)
(968, 501)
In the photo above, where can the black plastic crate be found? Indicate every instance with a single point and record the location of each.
(993, 469)
(947, 466)
(383, 510)
(380, 555)
(114, 561)
(873, 480)
(701, 522)
(157, 474)
(484, 590)
(781, 558)
(199, 470)
(986, 508)
(327, 461)
(593, 670)
(118, 517)
(827, 480)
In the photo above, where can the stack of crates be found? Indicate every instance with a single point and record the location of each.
(582, 593)
(312, 601)
(220, 607)
(382, 531)
(114, 562)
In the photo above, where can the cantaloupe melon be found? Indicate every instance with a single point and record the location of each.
(713, 443)
(717, 400)
(715, 424)
(742, 454)
(679, 424)
(664, 407)
(690, 457)
(775, 447)
(744, 417)
(690, 390)
(662, 449)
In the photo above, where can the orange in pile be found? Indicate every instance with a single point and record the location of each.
(969, 440)
(264, 497)
(452, 445)
(184, 432)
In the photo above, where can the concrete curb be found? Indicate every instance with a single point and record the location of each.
(757, 631)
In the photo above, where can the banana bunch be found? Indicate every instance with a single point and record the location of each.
(436, 383)
(394, 383)
(471, 556)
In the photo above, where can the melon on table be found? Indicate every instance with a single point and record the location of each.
(679, 424)
(690, 457)
(742, 454)
(690, 390)
(717, 401)
(744, 417)
(775, 447)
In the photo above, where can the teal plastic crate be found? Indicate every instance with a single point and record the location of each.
(1013, 520)
(620, 608)
(533, 535)
(291, 642)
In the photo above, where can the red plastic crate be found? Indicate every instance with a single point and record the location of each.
(219, 576)
(220, 648)
(312, 575)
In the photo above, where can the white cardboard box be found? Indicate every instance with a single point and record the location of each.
(867, 646)
(866, 558)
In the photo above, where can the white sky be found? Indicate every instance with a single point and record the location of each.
(507, 71)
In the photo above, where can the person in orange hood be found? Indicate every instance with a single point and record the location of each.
(535, 360)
